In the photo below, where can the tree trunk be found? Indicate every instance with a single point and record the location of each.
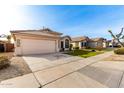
(122, 45)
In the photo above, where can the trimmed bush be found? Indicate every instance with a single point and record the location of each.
(70, 47)
(76, 48)
(119, 51)
(4, 62)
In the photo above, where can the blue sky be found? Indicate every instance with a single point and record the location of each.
(92, 21)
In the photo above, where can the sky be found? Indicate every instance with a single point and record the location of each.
(74, 20)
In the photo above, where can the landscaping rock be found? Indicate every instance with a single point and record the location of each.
(4, 62)
(93, 50)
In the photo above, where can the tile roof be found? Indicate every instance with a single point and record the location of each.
(97, 39)
(44, 30)
(66, 37)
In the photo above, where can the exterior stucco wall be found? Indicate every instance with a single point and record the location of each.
(95, 44)
(79, 44)
(105, 44)
(100, 44)
(75, 44)
(57, 46)
(18, 49)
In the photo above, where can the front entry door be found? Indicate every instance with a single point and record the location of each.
(1, 47)
(62, 44)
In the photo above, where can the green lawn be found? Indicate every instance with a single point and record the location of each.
(84, 53)
(104, 50)
(108, 49)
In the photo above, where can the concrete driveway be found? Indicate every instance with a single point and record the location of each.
(102, 74)
(61, 70)
(64, 71)
(43, 61)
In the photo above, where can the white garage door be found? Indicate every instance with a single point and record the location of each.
(30, 46)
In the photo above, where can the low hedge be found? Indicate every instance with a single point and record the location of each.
(119, 51)
(76, 48)
(4, 62)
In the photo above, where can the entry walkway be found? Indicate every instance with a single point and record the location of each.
(89, 73)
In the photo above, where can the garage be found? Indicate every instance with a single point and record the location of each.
(36, 41)
(30, 46)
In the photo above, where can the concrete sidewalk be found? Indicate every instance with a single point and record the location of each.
(88, 73)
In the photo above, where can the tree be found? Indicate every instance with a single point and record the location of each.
(8, 38)
(118, 37)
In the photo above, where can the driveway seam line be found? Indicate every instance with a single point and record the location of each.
(37, 81)
(59, 78)
(121, 80)
(56, 65)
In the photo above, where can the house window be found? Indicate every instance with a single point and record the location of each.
(18, 42)
(83, 44)
(66, 43)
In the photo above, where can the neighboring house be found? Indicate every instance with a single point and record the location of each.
(113, 43)
(97, 43)
(85, 42)
(38, 41)
(110, 43)
(5, 46)
(81, 42)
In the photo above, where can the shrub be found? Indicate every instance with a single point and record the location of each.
(4, 62)
(76, 48)
(119, 51)
(70, 47)
(88, 47)
(99, 48)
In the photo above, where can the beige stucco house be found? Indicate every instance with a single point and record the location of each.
(97, 43)
(85, 42)
(81, 42)
(38, 41)
(113, 43)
